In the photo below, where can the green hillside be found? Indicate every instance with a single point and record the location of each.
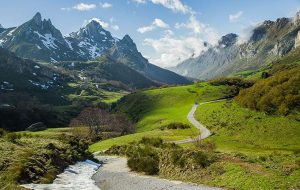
(152, 109)
(240, 129)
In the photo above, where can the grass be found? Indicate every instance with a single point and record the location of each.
(159, 107)
(49, 133)
(243, 130)
(250, 74)
(89, 93)
(37, 156)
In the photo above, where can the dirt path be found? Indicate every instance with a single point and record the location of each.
(204, 132)
(115, 175)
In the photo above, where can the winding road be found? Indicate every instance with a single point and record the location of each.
(115, 174)
(204, 132)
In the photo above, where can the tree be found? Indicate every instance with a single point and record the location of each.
(96, 124)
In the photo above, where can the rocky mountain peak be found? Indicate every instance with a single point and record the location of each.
(93, 30)
(296, 19)
(1, 26)
(228, 39)
(127, 40)
(281, 22)
(267, 23)
(37, 18)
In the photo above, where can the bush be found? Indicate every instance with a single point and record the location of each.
(13, 137)
(156, 142)
(2, 132)
(144, 159)
(235, 83)
(207, 146)
(279, 93)
(175, 126)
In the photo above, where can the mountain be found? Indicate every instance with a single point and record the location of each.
(106, 70)
(93, 40)
(269, 41)
(39, 40)
(20, 76)
(125, 51)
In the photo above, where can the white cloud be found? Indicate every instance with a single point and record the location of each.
(65, 9)
(157, 23)
(198, 28)
(105, 5)
(104, 24)
(80, 7)
(192, 24)
(235, 17)
(139, 1)
(174, 5)
(246, 33)
(101, 22)
(115, 27)
(173, 50)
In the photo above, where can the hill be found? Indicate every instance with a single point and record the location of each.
(154, 109)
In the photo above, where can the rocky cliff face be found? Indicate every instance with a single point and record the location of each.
(269, 41)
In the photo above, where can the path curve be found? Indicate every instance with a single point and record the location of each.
(204, 132)
(115, 175)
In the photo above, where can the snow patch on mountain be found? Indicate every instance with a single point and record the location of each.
(48, 40)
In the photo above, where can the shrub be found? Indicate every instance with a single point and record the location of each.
(2, 132)
(233, 81)
(207, 146)
(277, 94)
(175, 126)
(156, 142)
(13, 137)
(144, 159)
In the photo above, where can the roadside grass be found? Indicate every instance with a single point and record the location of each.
(162, 106)
(239, 129)
(36, 156)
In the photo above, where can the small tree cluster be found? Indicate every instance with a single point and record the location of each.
(235, 83)
(95, 123)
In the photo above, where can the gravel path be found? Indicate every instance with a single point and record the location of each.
(115, 175)
(204, 132)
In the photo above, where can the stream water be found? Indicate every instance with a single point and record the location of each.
(75, 177)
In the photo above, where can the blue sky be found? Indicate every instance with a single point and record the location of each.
(165, 31)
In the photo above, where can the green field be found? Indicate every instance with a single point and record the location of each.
(158, 107)
(242, 130)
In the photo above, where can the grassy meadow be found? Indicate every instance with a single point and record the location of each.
(158, 107)
(240, 129)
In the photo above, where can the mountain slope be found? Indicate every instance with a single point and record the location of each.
(106, 70)
(125, 51)
(268, 42)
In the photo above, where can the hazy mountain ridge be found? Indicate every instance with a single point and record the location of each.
(232, 56)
